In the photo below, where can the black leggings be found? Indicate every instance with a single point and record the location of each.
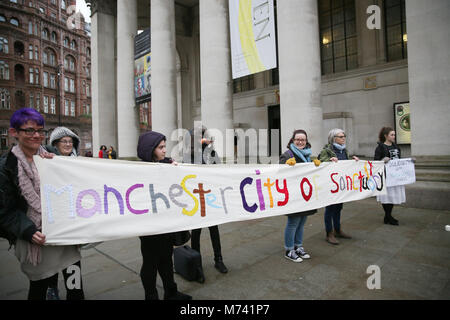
(38, 289)
(388, 209)
(215, 240)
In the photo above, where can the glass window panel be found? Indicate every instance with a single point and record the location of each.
(337, 3)
(350, 28)
(327, 67)
(349, 12)
(393, 16)
(352, 61)
(339, 49)
(325, 20)
(390, 3)
(324, 5)
(394, 35)
(338, 16)
(338, 32)
(352, 46)
(327, 52)
(326, 37)
(395, 52)
(340, 65)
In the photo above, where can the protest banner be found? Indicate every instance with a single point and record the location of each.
(400, 172)
(89, 200)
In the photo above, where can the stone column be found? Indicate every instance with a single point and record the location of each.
(164, 77)
(103, 39)
(429, 76)
(300, 75)
(215, 72)
(127, 115)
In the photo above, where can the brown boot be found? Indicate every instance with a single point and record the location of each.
(331, 239)
(341, 234)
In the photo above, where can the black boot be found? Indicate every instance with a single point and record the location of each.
(178, 296)
(219, 265)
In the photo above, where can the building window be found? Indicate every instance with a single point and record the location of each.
(66, 107)
(30, 27)
(395, 28)
(66, 84)
(2, 18)
(72, 108)
(31, 72)
(4, 70)
(4, 99)
(36, 53)
(52, 81)
(14, 22)
(69, 63)
(45, 34)
(242, 84)
(36, 75)
(30, 52)
(4, 139)
(38, 101)
(31, 101)
(72, 85)
(63, 4)
(338, 42)
(54, 37)
(66, 42)
(45, 104)
(53, 105)
(73, 45)
(45, 79)
(4, 45)
(88, 90)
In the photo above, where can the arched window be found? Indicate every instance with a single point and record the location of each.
(69, 63)
(2, 18)
(54, 37)
(4, 70)
(73, 45)
(50, 57)
(45, 33)
(4, 99)
(63, 4)
(88, 51)
(4, 45)
(14, 22)
(19, 48)
(66, 42)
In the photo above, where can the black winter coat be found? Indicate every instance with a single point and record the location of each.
(14, 223)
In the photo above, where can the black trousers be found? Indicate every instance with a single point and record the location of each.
(38, 289)
(215, 241)
(157, 253)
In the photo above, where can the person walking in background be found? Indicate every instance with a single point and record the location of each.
(157, 250)
(299, 151)
(209, 156)
(112, 154)
(20, 209)
(103, 154)
(335, 150)
(387, 150)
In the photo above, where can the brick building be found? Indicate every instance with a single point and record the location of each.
(45, 64)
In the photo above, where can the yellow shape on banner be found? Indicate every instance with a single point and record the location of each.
(247, 37)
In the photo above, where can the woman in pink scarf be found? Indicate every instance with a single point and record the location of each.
(20, 209)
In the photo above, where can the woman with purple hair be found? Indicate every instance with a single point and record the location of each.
(20, 209)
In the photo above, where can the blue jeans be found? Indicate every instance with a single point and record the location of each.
(293, 234)
(333, 217)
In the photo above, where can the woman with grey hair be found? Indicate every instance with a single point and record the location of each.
(334, 151)
(64, 142)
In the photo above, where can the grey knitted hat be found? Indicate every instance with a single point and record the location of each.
(61, 132)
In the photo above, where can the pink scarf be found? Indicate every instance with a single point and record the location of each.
(29, 184)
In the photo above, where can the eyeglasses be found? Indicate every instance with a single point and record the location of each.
(30, 131)
(66, 141)
(340, 137)
(300, 140)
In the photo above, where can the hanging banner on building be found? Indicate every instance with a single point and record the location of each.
(142, 67)
(400, 172)
(89, 200)
(253, 39)
(402, 123)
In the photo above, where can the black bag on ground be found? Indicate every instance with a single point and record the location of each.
(181, 237)
(187, 262)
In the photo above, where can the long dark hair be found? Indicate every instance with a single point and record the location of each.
(296, 132)
(383, 133)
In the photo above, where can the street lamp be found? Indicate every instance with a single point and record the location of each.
(58, 94)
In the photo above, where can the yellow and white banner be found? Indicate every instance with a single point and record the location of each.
(89, 200)
(253, 39)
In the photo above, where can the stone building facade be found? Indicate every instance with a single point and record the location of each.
(45, 64)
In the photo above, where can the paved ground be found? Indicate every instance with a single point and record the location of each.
(414, 259)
